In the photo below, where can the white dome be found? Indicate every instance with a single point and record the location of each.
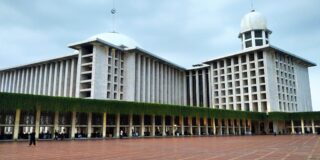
(116, 39)
(253, 21)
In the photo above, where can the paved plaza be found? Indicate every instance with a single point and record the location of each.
(199, 148)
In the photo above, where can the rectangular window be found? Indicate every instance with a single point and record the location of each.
(258, 34)
(259, 42)
(248, 44)
(247, 35)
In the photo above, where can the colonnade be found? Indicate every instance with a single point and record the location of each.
(75, 125)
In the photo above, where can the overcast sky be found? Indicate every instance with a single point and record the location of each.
(185, 32)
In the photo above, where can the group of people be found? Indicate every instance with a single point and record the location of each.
(58, 135)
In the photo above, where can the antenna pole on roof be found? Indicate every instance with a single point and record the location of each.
(113, 12)
(252, 9)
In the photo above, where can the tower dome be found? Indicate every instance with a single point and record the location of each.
(116, 39)
(253, 21)
(253, 30)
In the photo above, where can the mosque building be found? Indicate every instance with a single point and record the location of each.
(260, 78)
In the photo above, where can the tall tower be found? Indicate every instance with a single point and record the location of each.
(254, 31)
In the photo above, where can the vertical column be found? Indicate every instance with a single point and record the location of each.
(198, 125)
(233, 127)
(250, 125)
(226, 123)
(26, 85)
(14, 82)
(239, 126)
(138, 81)
(31, 81)
(206, 125)
(313, 128)
(214, 126)
(73, 124)
(130, 125)
(89, 129)
(60, 79)
(16, 124)
(44, 86)
(35, 80)
(153, 122)
(142, 125)
(18, 81)
(190, 125)
(190, 89)
(165, 86)
(181, 125)
(220, 126)
(37, 127)
(72, 77)
(197, 89)
(244, 126)
(184, 93)
(204, 88)
(104, 124)
(173, 126)
(302, 126)
(56, 122)
(55, 79)
(66, 77)
(292, 127)
(117, 125)
(163, 125)
(144, 83)
(41, 81)
(22, 84)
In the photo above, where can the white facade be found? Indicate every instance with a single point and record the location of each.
(112, 66)
(54, 77)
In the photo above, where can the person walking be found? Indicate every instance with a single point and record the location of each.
(56, 135)
(32, 138)
(121, 134)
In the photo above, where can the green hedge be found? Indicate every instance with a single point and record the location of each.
(12, 101)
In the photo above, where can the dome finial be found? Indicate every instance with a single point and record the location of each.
(252, 10)
(113, 12)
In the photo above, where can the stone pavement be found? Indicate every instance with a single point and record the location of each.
(199, 148)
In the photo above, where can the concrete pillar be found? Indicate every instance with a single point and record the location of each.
(16, 124)
(190, 125)
(73, 124)
(56, 122)
(104, 124)
(275, 126)
(89, 129)
(220, 126)
(130, 125)
(214, 126)
(163, 125)
(226, 123)
(302, 126)
(313, 128)
(142, 125)
(153, 123)
(244, 126)
(181, 125)
(198, 125)
(206, 125)
(117, 134)
(239, 127)
(292, 127)
(37, 127)
(173, 126)
(250, 125)
(233, 127)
